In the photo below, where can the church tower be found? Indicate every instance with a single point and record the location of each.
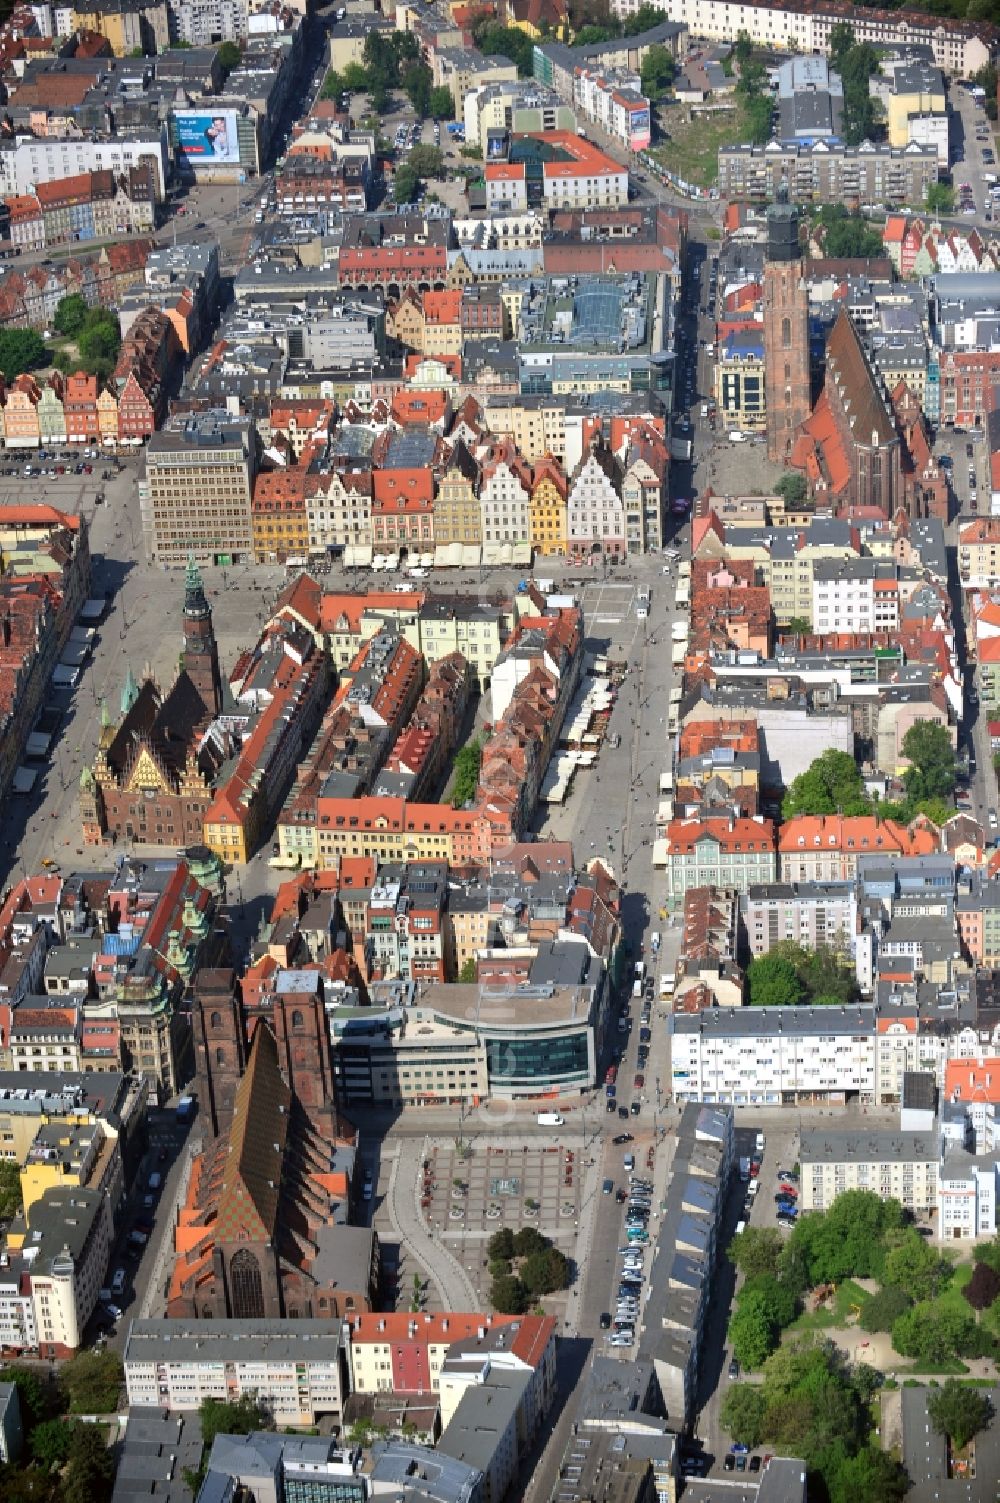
(788, 388)
(201, 654)
(219, 1046)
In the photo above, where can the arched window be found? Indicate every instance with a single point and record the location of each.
(246, 1287)
(786, 333)
(216, 1020)
(296, 1019)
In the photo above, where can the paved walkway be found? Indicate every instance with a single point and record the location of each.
(403, 1203)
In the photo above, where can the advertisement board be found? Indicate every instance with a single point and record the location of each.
(639, 129)
(205, 138)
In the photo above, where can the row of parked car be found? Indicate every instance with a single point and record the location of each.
(638, 1209)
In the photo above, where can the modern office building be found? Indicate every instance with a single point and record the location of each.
(195, 495)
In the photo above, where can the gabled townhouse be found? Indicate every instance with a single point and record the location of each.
(339, 513)
(402, 510)
(548, 511)
(595, 510)
(505, 496)
(457, 512)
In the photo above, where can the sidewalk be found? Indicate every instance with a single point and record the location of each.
(402, 1200)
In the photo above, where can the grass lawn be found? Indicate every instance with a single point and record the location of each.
(836, 1312)
(692, 152)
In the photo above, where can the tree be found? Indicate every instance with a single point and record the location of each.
(792, 487)
(468, 974)
(467, 765)
(70, 315)
(31, 1395)
(354, 79)
(753, 1330)
(757, 113)
(757, 1250)
(405, 184)
(742, 49)
(427, 161)
(229, 57)
(50, 1441)
(442, 106)
(742, 1414)
(592, 36)
(883, 1309)
(913, 1265)
(529, 1240)
(99, 341)
(508, 1296)
(417, 84)
(657, 71)
(931, 773)
(933, 1334)
(831, 784)
(20, 350)
(505, 41)
(93, 1381)
(940, 197)
(848, 1240)
(241, 1416)
(958, 1411)
(28, 1485)
(847, 234)
(10, 1189)
(89, 1467)
(871, 1476)
(774, 982)
(983, 1289)
(501, 1244)
(856, 67)
(841, 42)
(644, 19)
(544, 1272)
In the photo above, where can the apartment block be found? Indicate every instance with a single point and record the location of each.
(757, 1056)
(811, 914)
(888, 1162)
(825, 173)
(195, 495)
(297, 1368)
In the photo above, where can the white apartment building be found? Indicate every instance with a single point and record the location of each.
(967, 1196)
(297, 1368)
(204, 23)
(843, 595)
(615, 102)
(891, 1163)
(957, 46)
(505, 505)
(594, 182)
(30, 160)
(774, 1056)
(62, 1258)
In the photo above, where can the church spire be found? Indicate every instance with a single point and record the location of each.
(130, 691)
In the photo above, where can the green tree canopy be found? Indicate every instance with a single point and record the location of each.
(753, 1329)
(883, 1309)
(506, 41)
(417, 84)
(508, 1296)
(405, 184)
(544, 1272)
(757, 1250)
(10, 1189)
(467, 765)
(912, 1264)
(644, 19)
(742, 1413)
(20, 350)
(657, 71)
(774, 982)
(871, 1476)
(831, 784)
(89, 1467)
(442, 106)
(501, 1244)
(958, 1411)
(427, 161)
(743, 48)
(848, 1240)
(792, 486)
(354, 79)
(847, 234)
(50, 1441)
(842, 39)
(31, 1394)
(931, 773)
(229, 57)
(70, 315)
(240, 1416)
(93, 1382)
(940, 197)
(529, 1240)
(469, 972)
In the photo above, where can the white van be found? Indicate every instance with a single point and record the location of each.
(550, 1119)
(118, 1282)
(636, 990)
(679, 631)
(666, 782)
(666, 988)
(736, 437)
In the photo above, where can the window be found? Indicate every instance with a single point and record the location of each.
(246, 1286)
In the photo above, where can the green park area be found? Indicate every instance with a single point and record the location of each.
(850, 1302)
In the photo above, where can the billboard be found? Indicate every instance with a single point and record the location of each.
(639, 128)
(205, 138)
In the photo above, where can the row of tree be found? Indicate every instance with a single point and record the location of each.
(832, 784)
(812, 1403)
(791, 976)
(65, 1460)
(524, 1265)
